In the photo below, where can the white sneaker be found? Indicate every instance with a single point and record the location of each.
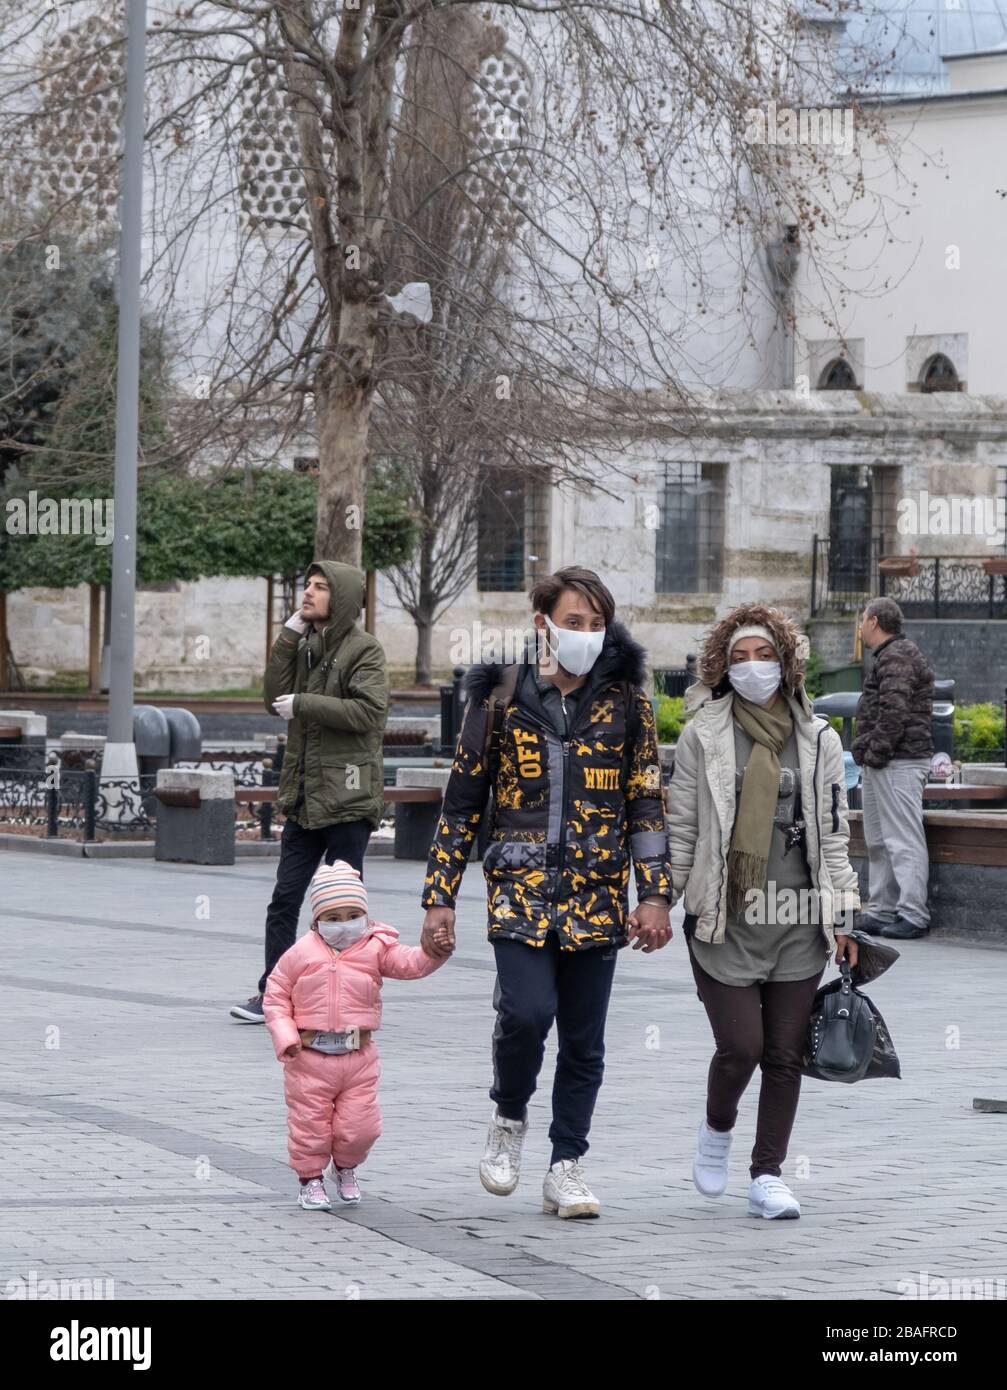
(500, 1165)
(313, 1196)
(347, 1187)
(709, 1167)
(769, 1196)
(565, 1191)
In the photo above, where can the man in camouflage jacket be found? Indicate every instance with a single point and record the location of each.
(894, 745)
(572, 764)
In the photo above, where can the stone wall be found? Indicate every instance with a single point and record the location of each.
(973, 653)
(777, 451)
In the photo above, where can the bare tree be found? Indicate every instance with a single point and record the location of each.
(569, 213)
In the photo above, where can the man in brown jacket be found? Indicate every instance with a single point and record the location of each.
(894, 745)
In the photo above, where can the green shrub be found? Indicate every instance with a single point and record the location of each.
(671, 717)
(978, 731)
(813, 675)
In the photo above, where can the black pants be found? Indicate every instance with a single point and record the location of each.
(301, 853)
(761, 1026)
(536, 985)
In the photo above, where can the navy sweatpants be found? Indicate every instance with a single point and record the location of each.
(537, 985)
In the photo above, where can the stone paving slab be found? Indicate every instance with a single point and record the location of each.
(143, 1131)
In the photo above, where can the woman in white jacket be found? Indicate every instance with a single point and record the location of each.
(759, 836)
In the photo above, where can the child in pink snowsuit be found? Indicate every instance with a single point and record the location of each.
(322, 1007)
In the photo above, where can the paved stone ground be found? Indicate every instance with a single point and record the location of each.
(148, 1147)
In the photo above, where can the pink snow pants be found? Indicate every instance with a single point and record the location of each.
(332, 1108)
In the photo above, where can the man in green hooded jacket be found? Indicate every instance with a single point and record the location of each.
(327, 677)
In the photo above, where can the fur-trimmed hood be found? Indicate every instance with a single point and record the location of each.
(622, 659)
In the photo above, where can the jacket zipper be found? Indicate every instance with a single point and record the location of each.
(561, 857)
(818, 812)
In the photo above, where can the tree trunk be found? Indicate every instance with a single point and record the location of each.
(5, 680)
(343, 404)
(424, 637)
(94, 639)
(425, 605)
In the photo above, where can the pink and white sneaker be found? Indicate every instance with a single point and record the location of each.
(313, 1197)
(347, 1189)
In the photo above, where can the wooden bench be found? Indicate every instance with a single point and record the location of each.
(953, 837)
(964, 791)
(392, 794)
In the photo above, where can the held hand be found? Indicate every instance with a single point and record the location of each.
(292, 1050)
(846, 949)
(649, 926)
(284, 706)
(438, 936)
(296, 623)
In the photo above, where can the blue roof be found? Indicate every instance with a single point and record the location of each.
(920, 34)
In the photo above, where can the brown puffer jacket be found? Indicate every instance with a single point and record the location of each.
(894, 713)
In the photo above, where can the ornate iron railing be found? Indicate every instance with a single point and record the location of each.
(69, 803)
(845, 577)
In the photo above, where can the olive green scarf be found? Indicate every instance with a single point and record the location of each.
(748, 861)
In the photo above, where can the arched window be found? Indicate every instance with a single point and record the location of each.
(837, 376)
(939, 374)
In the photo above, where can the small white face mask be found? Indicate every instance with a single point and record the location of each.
(341, 935)
(755, 680)
(576, 652)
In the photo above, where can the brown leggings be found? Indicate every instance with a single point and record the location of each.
(762, 1025)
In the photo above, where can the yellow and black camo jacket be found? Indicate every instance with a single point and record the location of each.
(568, 814)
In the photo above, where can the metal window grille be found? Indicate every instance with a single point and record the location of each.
(512, 533)
(690, 540)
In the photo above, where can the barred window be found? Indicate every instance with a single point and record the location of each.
(690, 539)
(512, 533)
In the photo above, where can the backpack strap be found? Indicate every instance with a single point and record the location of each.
(500, 697)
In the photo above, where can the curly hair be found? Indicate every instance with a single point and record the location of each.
(788, 639)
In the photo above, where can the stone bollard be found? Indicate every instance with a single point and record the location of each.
(26, 751)
(195, 816)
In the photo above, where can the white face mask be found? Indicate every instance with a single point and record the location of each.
(576, 652)
(340, 935)
(755, 680)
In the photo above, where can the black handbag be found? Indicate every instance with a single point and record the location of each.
(847, 1037)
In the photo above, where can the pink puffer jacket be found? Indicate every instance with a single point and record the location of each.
(313, 986)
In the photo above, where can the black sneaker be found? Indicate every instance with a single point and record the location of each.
(903, 930)
(252, 1012)
(873, 926)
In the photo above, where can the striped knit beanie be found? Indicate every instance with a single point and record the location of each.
(338, 885)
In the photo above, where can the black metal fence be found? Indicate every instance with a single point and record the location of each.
(845, 575)
(58, 801)
(76, 804)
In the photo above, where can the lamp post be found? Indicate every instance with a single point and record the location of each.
(120, 751)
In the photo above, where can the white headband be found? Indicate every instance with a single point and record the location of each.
(751, 630)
